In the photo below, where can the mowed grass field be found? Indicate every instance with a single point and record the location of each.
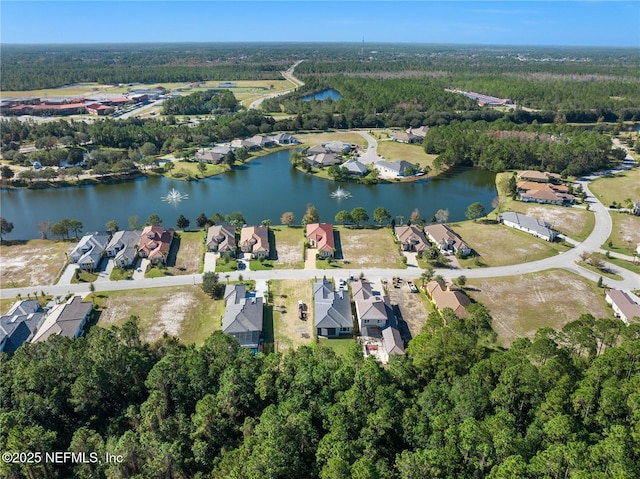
(499, 245)
(33, 262)
(625, 233)
(618, 188)
(520, 305)
(394, 151)
(185, 311)
(369, 248)
(290, 332)
(312, 139)
(289, 247)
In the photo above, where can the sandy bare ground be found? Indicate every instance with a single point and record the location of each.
(289, 255)
(521, 305)
(189, 255)
(32, 263)
(157, 313)
(412, 309)
(629, 230)
(370, 248)
(289, 330)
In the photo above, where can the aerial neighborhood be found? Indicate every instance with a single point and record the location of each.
(291, 259)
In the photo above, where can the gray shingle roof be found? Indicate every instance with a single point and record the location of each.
(332, 308)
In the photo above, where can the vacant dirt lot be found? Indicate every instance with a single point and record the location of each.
(369, 248)
(32, 263)
(625, 233)
(521, 305)
(185, 312)
(289, 331)
(190, 253)
(412, 308)
(499, 245)
(289, 246)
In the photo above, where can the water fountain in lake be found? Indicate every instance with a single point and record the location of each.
(341, 194)
(174, 196)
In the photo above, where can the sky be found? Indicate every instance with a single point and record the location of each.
(543, 22)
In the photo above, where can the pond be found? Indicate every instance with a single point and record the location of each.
(329, 94)
(263, 189)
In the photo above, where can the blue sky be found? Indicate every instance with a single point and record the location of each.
(583, 23)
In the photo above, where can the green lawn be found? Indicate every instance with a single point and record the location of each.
(621, 263)
(413, 153)
(311, 139)
(118, 274)
(185, 311)
(187, 170)
(84, 277)
(257, 265)
(499, 245)
(605, 274)
(618, 188)
(625, 233)
(339, 345)
(157, 272)
(190, 254)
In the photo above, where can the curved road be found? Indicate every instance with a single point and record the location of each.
(288, 75)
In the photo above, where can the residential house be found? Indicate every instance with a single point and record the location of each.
(155, 243)
(338, 147)
(332, 310)
(412, 238)
(445, 238)
(420, 132)
(222, 239)
(255, 240)
(89, 251)
(539, 176)
(20, 324)
(323, 159)
(316, 150)
(394, 169)
(373, 311)
(530, 225)
(355, 168)
(123, 247)
(261, 141)
(448, 296)
(246, 144)
(531, 191)
(320, 236)
(285, 139)
(243, 316)
(392, 341)
(66, 319)
(209, 157)
(623, 306)
(404, 137)
(222, 149)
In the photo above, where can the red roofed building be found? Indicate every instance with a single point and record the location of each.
(99, 109)
(320, 235)
(61, 109)
(155, 243)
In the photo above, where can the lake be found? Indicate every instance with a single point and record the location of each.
(263, 189)
(329, 94)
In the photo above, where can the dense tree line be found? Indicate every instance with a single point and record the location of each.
(501, 146)
(201, 102)
(562, 404)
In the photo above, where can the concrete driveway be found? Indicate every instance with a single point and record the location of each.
(140, 268)
(210, 259)
(68, 274)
